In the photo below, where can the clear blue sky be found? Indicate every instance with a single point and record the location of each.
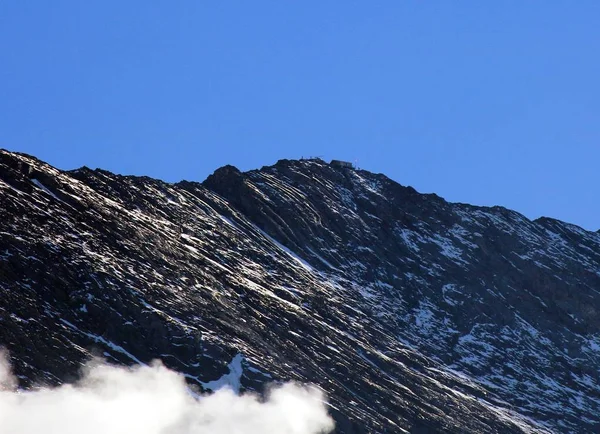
(486, 102)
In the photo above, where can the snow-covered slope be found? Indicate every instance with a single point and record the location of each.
(412, 313)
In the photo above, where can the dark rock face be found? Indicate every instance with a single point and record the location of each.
(413, 314)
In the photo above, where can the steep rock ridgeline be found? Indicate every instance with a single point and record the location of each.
(412, 313)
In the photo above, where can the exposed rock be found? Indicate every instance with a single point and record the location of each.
(412, 313)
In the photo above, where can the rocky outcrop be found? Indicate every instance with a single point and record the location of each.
(412, 313)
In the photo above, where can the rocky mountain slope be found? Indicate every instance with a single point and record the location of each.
(413, 314)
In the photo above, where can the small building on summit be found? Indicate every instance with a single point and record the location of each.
(342, 164)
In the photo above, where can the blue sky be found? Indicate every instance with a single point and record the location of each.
(480, 102)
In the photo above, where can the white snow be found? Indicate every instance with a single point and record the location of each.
(290, 253)
(46, 190)
(100, 339)
(231, 379)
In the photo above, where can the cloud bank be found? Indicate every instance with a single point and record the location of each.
(154, 400)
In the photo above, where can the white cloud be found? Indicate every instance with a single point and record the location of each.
(155, 400)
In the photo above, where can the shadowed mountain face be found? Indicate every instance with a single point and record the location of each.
(413, 314)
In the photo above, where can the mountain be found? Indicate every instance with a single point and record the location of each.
(412, 313)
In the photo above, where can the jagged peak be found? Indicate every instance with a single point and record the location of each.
(368, 284)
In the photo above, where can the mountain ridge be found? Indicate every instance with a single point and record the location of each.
(432, 194)
(488, 319)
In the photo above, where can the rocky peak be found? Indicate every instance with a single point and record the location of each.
(414, 314)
